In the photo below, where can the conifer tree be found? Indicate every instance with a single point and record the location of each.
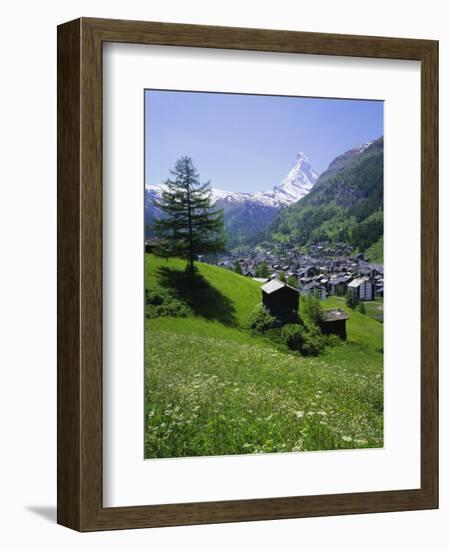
(238, 268)
(262, 271)
(351, 300)
(189, 226)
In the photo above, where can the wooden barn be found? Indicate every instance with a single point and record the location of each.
(363, 289)
(333, 321)
(281, 300)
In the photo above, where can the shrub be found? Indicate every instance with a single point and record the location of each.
(308, 341)
(362, 308)
(262, 271)
(312, 308)
(293, 336)
(275, 336)
(159, 302)
(332, 340)
(351, 300)
(313, 345)
(156, 296)
(260, 320)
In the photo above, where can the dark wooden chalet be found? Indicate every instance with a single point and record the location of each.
(333, 321)
(281, 300)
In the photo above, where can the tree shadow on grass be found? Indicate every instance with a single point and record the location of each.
(204, 299)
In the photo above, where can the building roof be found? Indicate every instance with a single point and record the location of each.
(330, 315)
(356, 283)
(274, 286)
(312, 284)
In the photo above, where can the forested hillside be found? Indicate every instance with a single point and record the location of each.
(345, 204)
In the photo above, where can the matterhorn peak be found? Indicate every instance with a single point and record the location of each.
(298, 182)
(301, 157)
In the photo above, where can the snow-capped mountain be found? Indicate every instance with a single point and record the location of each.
(353, 184)
(296, 184)
(246, 214)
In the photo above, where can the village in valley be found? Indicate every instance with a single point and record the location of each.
(327, 270)
(320, 270)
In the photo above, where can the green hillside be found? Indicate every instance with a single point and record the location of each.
(212, 388)
(375, 252)
(345, 205)
(243, 221)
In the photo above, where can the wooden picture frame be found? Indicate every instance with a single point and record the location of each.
(80, 504)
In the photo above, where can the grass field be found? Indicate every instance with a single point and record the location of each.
(213, 389)
(375, 309)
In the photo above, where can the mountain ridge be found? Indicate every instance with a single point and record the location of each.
(296, 184)
(345, 204)
(248, 213)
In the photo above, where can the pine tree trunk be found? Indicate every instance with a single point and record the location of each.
(189, 211)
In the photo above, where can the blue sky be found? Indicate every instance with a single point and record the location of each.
(249, 142)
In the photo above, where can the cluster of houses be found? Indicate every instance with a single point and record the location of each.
(321, 272)
(324, 271)
(363, 280)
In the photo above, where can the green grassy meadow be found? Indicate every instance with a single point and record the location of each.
(375, 309)
(211, 388)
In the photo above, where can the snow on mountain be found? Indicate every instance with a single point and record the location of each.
(155, 189)
(362, 147)
(297, 183)
(219, 194)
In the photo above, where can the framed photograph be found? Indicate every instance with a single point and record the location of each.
(247, 274)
